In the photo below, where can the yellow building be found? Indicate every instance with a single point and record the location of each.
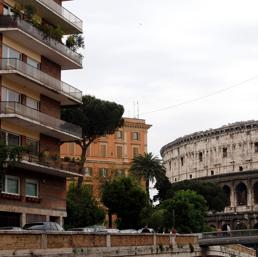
(111, 155)
(32, 93)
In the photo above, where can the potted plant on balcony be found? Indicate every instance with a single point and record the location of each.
(74, 42)
(56, 162)
(44, 156)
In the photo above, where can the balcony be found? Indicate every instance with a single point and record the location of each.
(49, 166)
(46, 84)
(27, 35)
(31, 119)
(50, 11)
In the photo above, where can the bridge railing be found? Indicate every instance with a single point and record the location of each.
(231, 234)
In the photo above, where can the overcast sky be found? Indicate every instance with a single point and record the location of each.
(175, 57)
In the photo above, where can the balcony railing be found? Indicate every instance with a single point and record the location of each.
(60, 10)
(42, 118)
(11, 22)
(51, 162)
(47, 80)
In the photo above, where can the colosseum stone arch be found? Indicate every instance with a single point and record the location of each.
(227, 156)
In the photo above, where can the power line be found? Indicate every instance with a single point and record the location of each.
(202, 97)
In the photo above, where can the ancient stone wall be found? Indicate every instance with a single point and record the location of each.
(229, 149)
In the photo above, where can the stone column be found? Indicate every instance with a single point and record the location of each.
(249, 193)
(23, 219)
(232, 196)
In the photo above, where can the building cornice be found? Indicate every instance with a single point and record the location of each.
(202, 135)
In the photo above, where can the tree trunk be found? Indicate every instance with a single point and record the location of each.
(109, 219)
(82, 162)
(147, 185)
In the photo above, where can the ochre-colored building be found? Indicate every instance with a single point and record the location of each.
(111, 155)
(32, 57)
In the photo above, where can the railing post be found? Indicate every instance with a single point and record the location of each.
(108, 240)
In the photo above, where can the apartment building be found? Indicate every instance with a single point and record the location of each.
(32, 94)
(111, 155)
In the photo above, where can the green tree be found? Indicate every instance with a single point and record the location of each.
(9, 156)
(82, 209)
(148, 167)
(125, 198)
(213, 194)
(96, 118)
(158, 220)
(187, 210)
(163, 186)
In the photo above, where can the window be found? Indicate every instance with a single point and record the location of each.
(200, 157)
(119, 151)
(119, 134)
(135, 135)
(31, 188)
(9, 138)
(88, 172)
(8, 95)
(88, 151)
(70, 148)
(12, 185)
(224, 152)
(32, 103)
(120, 172)
(190, 176)
(182, 161)
(103, 172)
(13, 139)
(212, 172)
(33, 63)
(103, 150)
(33, 146)
(9, 52)
(256, 147)
(135, 151)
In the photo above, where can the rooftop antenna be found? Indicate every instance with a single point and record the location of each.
(133, 109)
(138, 110)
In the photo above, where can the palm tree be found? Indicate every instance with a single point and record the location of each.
(148, 167)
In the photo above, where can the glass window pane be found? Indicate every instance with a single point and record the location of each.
(9, 95)
(12, 185)
(31, 188)
(32, 103)
(9, 52)
(119, 151)
(33, 63)
(33, 146)
(13, 139)
(88, 172)
(103, 150)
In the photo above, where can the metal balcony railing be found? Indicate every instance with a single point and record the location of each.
(51, 162)
(12, 22)
(42, 118)
(60, 10)
(47, 80)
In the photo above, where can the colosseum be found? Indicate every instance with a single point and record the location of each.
(227, 156)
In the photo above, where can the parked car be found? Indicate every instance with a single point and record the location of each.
(128, 231)
(11, 229)
(112, 230)
(43, 226)
(146, 230)
(91, 229)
